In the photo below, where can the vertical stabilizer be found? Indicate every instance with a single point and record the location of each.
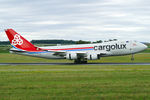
(17, 41)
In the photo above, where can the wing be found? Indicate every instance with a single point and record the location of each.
(64, 53)
(59, 53)
(79, 54)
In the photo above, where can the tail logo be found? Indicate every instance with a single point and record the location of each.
(17, 40)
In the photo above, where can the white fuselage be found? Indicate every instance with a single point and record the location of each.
(114, 48)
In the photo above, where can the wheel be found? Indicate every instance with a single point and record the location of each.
(77, 61)
(132, 59)
(84, 62)
(80, 62)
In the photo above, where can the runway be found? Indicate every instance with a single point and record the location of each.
(74, 64)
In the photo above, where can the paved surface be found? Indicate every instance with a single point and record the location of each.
(74, 64)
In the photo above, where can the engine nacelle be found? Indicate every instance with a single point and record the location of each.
(71, 56)
(93, 56)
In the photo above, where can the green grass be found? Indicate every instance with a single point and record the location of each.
(147, 50)
(141, 57)
(83, 82)
(4, 49)
(13, 58)
(77, 82)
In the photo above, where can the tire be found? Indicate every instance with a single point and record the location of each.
(80, 62)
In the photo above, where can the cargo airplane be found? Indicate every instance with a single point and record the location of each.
(79, 53)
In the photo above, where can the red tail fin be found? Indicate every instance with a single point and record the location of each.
(19, 42)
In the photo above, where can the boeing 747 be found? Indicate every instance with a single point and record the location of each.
(79, 53)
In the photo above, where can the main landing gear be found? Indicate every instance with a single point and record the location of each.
(80, 61)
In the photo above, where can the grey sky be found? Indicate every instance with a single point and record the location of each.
(77, 19)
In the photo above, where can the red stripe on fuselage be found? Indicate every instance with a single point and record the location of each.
(71, 48)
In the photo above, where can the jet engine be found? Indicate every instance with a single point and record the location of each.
(93, 56)
(71, 56)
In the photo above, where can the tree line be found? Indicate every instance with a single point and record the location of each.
(59, 42)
